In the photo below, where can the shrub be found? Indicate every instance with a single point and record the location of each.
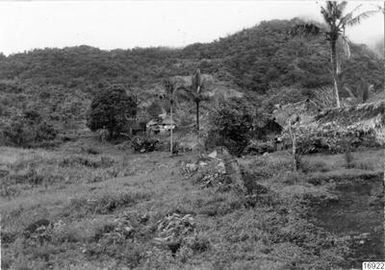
(258, 147)
(111, 110)
(18, 132)
(28, 129)
(231, 126)
(144, 144)
(7, 190)
(45, 132)
(176, 147)
(154, 110)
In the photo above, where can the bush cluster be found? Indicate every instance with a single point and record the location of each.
(111, 110)
(144, 144)
(28, 129)
(334, 144)
(231, 126)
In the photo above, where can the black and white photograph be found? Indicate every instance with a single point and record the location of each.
(192, 135)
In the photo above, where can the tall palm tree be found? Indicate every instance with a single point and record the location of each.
(383, 56)
(382, 9)
(337, 21)
(171, 85)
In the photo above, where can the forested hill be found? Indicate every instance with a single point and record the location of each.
(260, 60)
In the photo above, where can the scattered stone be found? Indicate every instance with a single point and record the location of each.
(221, 167)
(213, 154)
(191, 167)
(202, 164)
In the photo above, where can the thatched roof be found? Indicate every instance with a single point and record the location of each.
(168, 121)
(363, 113)
(368, 118)
(305, 110)
(152, 122)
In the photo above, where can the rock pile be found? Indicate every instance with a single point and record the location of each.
(207, 171)
(173, 229)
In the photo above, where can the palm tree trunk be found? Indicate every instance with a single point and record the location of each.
(197, 103)
(334, 70)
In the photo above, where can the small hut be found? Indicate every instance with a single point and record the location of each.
(161, 125)
(167, 124)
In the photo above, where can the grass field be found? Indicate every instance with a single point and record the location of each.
(113, 209)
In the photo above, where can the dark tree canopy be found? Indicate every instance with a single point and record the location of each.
(113, 110)
(154, 110)
(232, 125)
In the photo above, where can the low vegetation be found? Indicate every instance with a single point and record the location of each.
(158, 212)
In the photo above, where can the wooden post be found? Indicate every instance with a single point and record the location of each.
(293, 146)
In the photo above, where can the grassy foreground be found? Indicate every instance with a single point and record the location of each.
(103, 207)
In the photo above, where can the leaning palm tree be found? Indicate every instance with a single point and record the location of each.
(337, 21)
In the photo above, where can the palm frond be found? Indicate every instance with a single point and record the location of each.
(172, 85)
(342, 5)
(329, 6)
(346, 42)
(344, 20)
(337, 13)
(197, 81)
(357, 19)
(327, 15)
(378, 8)
(355, 9)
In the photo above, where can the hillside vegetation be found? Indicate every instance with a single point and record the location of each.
(264, 62)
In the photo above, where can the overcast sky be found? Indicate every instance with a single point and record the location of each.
(25, 25)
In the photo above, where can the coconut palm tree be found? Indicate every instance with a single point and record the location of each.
(336, 21)
(382, 9)
(171, 85)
